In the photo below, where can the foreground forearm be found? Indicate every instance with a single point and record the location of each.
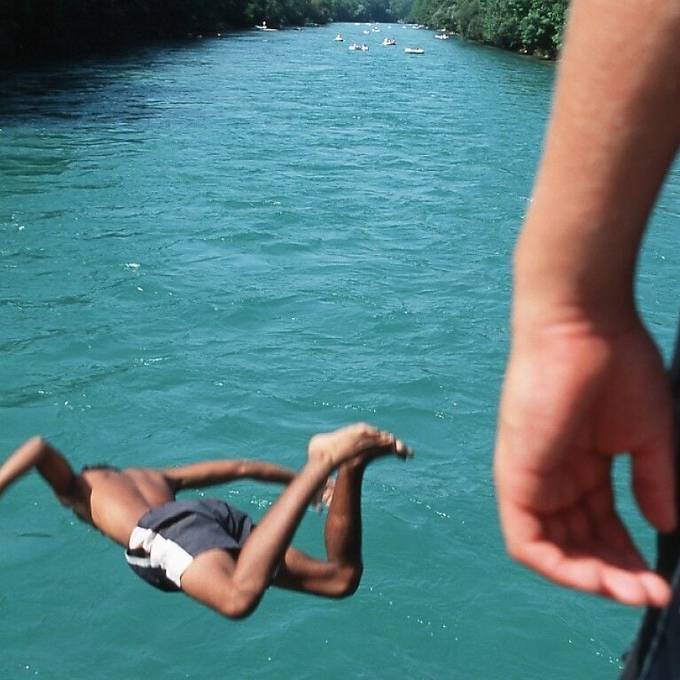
(613, 133)
(584, 380)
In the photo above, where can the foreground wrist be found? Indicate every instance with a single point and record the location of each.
(550, 290)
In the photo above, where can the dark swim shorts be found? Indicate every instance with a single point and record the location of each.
(168, 538)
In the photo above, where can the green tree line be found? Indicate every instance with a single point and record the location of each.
(47, 27)
(532, 26)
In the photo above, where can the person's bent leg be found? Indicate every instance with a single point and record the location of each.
(340, 574)
(240, 587)
(342, 533)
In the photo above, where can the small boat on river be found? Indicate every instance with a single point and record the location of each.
(339, 38)
(441, 36)
(356, 47)
(389, 42)
(414, 50)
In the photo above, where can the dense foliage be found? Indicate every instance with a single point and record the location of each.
(533, 26)
(297, 12)
(46, 27)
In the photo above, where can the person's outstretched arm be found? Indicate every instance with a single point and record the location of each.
(40, 454)
(584, 380)
(214, 472)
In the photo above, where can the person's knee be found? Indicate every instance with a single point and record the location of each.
(239, 604)
(349, 577)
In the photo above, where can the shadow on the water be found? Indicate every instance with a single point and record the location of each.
(70, 88)
(34, 534)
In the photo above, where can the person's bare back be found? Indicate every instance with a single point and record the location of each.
(116, 499)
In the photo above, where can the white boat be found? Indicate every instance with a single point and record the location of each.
(414, 50)
(389, 42)
(358, 48)
(264, 27)
(339, 38)
(441, 36)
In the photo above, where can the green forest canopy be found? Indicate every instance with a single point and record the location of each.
(46, 27)
(532, 26)
(31, 27)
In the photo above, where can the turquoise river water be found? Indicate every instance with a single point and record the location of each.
(220, 247)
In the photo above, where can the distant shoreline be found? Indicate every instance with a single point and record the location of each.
(29, 34)
(536, 54)
(15, 51)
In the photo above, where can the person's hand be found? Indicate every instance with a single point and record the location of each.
(573, 399)
(324, 496)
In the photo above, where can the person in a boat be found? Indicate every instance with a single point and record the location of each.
(207, 548)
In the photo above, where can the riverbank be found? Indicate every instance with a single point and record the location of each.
(67, 28)
(28, 34)
(535, 53)
(533, 27)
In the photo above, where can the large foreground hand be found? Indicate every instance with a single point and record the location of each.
(572, 400)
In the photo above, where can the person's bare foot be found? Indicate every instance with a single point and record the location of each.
(355, 441)
(395, 447)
